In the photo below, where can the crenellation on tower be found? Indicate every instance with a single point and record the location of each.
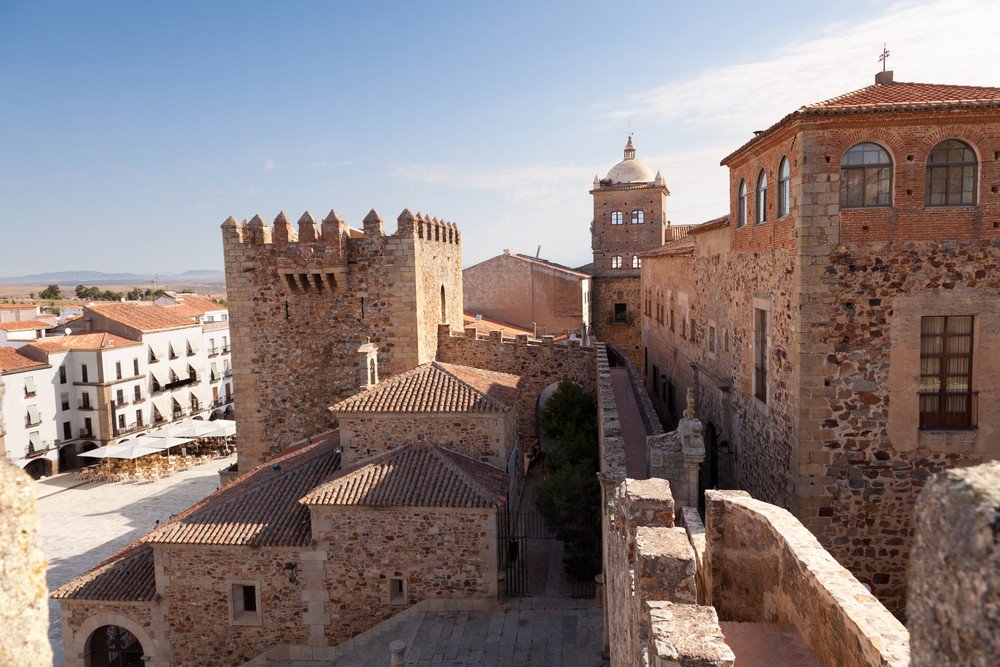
(300, 300)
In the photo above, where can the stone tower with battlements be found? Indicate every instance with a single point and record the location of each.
(302, 300)
(630, 218)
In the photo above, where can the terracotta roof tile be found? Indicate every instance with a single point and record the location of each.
(437, 387)
(85, 341)
(888, 97)
(551, 265)
(684, 246)
(127, 576)
(26, 325)
(12, 361)
(193, 305)
(141, 316)
(414, 475)
(715, 223)
(260, 508)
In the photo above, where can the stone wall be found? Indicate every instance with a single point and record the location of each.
(537, 363)
(626, 335)
(194, 619)
(301, 303)
(526, 293)
(765, 566)
(439, 552)
(953, 602)
(484, 436)
(80, 618)
(23, 604)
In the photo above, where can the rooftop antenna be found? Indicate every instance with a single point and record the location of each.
(884, 57)
(538, 252)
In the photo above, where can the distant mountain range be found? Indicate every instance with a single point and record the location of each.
(101, 278)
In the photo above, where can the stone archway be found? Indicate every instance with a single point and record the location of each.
(113, 646)
(38, 468)
(76, 652)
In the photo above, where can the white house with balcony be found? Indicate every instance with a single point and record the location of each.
(28, 437)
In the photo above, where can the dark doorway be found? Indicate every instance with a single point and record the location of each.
(113, 646)
(708, 475)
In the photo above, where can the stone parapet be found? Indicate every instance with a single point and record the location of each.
(686, 635)
(766, 566)
(953, 601)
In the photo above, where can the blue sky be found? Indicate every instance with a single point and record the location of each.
(130, 131)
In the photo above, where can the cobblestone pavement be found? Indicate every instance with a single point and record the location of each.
(81, 525)
(533, 632)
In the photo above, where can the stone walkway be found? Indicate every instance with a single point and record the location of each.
(530, 632)
(767, 644)
(83, 524)
(633, 429)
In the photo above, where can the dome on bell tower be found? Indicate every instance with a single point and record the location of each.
(631, 169)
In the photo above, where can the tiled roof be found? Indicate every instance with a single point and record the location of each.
(715, 223)
(551, 265)
(193, 305)
(26, 325)
(437, 387)
(261, 508)
(684, 246)
(414, 475)
(587, 268)
(486, 324)
(11, 361)
(141, 316)
(126, 576)
(888, 97)
(85, 341)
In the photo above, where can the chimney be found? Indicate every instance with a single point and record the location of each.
(368, 360)
(883, 77)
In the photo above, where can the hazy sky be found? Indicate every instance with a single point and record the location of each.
(130, 130)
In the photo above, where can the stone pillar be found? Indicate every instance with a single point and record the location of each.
(24, 611)
(693, 449)
(398, 651)
(953, 598)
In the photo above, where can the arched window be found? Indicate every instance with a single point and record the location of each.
(617, 218)
(741, 205)
(616, 262)
(113, 646)
(865, 177)
(444, 307)
(636, 262)
(761, 198)
(951, 175)
(784, 187)
(637, 218)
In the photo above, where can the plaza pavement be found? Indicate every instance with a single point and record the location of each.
(82, 524)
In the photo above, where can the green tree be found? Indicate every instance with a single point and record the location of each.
(81, 292)
(51, 292)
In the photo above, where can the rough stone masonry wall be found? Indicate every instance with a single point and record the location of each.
(295, 349)
(538, 364)
(80, 618)
(484, 436)
(868, 275)
(193, 619)
(23, 604)
(440, 552)
(627, 335)
(954, 596)
(766, 566)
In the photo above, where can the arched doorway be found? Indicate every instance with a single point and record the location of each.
(39, 468)
(113, 646)
(68, 458)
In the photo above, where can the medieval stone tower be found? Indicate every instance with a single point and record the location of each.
(301, 302)
(630, 217)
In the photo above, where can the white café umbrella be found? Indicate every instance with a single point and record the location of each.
(223, 428)
(132, 449)
(189, 428)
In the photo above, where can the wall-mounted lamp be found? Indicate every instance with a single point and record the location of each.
(292, 569)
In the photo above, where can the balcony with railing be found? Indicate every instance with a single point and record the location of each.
(222, 400)
(32, 420)
(87, 433)
(213, 352)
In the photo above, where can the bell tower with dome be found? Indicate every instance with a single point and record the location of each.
(630, 218)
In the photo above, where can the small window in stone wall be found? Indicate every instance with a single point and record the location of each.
(711, 339)
(617, 218)
(656, 379)
(397, 590)
(616, 262)
(244, 598)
